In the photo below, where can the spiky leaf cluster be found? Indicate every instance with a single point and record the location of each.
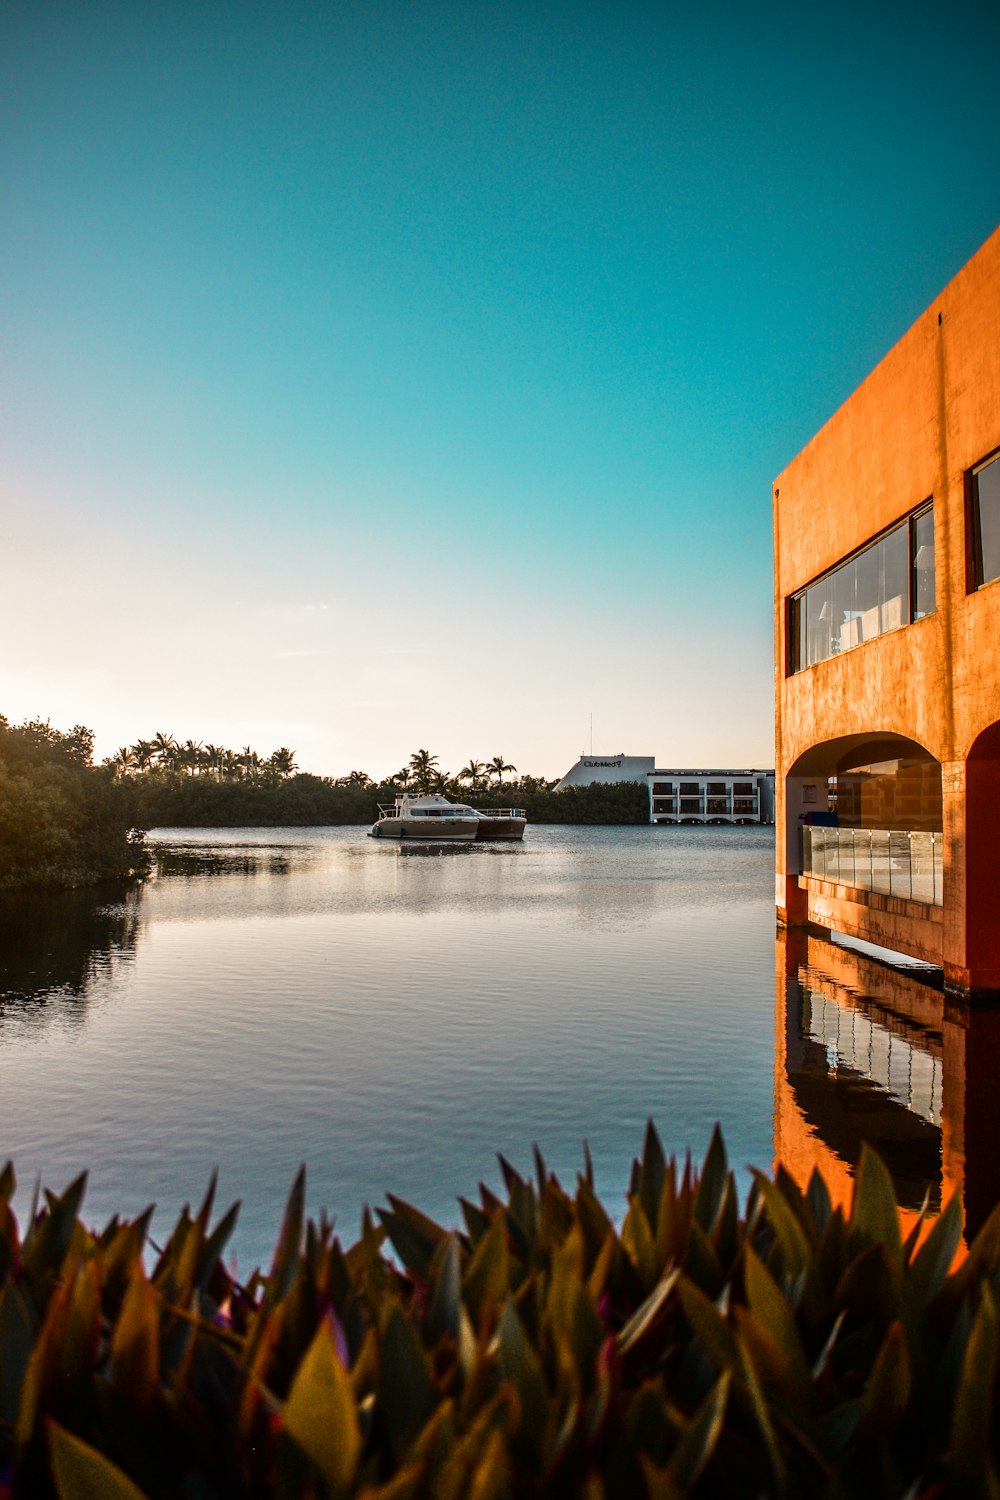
(698, 1348)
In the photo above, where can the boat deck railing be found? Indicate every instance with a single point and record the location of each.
(501, 812)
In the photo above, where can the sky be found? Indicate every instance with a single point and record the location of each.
(386, 375)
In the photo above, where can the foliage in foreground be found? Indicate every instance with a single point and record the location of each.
(63, 820)
(539, 1351)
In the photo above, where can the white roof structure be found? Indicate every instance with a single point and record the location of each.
(607, 769)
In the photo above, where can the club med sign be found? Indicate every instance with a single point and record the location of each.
(607, 769)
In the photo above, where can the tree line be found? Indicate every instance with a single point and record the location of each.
(66, 822)
(63, 820)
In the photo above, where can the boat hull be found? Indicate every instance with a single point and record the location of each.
(451, 830)
(494, 829)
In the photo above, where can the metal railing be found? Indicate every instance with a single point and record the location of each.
(891, 862)
(501, 812)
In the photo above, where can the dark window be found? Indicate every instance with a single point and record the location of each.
(743, 788)
(663, 788)
(691, 788)
(986, 519)
(887, 584)
(717, 788)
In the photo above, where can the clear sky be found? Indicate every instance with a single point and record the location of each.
(377, 375)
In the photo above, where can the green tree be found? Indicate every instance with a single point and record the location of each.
(498, 766)
(423, 765)
(283, 761)
(474, 773)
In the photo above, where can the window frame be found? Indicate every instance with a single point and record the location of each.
(794, 601)
(973, 525)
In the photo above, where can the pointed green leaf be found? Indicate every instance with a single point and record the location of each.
(320, 1413)
(932, 1262)
(82, 1473)
(406, 1389)
(286, 1252)
(887, 1392)
(874, 1212)
(972, 1420)
(698, 1442)
(770, 1309)
(446, 1297)
(714, 1173)
(414, 1236)
(646, 1316)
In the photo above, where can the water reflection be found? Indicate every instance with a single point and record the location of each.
(170, 862)
(868, 1052)
(63, 946)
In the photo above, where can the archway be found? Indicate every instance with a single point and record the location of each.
(874, 802)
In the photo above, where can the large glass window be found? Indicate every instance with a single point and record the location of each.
(986, 519)
(887, 584)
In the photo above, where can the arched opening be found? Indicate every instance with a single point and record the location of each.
(865, 811)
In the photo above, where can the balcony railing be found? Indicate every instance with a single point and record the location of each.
(891, 862)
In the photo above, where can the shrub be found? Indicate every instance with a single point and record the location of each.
(538, 1351)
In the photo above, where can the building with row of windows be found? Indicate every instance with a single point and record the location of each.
(711, 796)
(678, 796)
(887, 673)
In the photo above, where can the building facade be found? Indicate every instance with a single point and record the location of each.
(711, 796)
(887, 627)
(605, 770)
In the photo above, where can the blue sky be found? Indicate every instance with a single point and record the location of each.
(383, 375)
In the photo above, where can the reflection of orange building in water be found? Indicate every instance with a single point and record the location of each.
(865, 1052)
(887, 618)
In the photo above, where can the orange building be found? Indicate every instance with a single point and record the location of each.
(887, 629)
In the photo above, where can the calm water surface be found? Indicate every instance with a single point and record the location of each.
(391, 1016)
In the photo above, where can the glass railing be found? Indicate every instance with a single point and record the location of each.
(892, 862)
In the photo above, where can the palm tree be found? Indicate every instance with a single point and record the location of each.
(123, 760)
(165, 749)
(498, 766)
(142, 753)
(190, 756)
(474, 773)
(214, 756)
(283, 761)
(423, 764)
(402, 778)
(440, 782)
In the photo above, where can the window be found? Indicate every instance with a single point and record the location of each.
(985, 495)
(690, 788)
(887, 584)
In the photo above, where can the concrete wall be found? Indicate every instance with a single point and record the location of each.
(927, 413)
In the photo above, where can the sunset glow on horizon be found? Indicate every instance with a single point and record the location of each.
(380, 377)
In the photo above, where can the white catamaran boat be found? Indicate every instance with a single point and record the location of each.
(425, 817)
(429, 816)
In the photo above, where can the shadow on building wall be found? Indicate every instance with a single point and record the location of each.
(867, 1052)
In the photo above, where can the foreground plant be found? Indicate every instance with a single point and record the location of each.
(783, 1350)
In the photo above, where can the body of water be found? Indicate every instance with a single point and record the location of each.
(393, 1016)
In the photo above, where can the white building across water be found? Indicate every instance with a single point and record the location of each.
(679, 796)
